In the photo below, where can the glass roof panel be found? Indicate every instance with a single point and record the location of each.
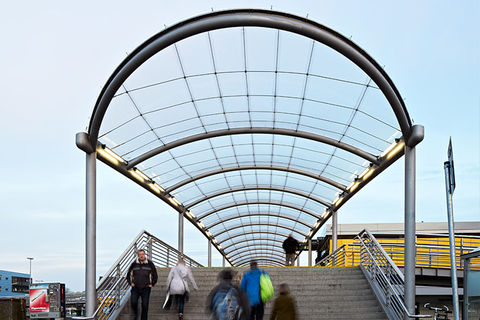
(243, 78)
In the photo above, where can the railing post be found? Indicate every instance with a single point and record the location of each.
(168, 257)
(149, 248)
(118, 292)
(334, 235)
(209, 253)
(180, 233)
(309, 252)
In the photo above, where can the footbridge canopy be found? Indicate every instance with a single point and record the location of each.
(251, 124)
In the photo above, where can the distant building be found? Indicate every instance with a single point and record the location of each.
(13, 284)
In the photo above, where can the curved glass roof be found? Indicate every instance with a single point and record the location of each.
(254, 132)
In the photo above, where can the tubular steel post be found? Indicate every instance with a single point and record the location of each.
(334, 236)
(309, 252)
(209, 252)
(410, 246)
(223, 262)
(451, 236)
(90, 235)
(180, 232)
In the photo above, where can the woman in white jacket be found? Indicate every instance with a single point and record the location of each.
(178, 286)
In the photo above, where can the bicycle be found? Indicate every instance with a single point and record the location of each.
(440, 313)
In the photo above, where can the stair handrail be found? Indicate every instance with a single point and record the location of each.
(111, 294)
(373, 269)
(334, 254)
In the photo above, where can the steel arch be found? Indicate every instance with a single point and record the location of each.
(271, 188)
(260, 258)
(273, 168)
(228, 132)
(250, 251)
(258, 239)
(252, 254)
(258, 214)
(245, 203)
(284, 235)
(258, 224)
(253, 18)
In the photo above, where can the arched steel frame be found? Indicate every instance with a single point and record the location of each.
(246, 203)
(245, 246)
(258, 224)
(261, 258)
(257, 214)
(272, 188)
(252, 18)
(412, 135)
(231, 256)
(254, 253)
(284, 235)
(228, 132)
(258, 167)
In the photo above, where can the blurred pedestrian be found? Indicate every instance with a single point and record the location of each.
(177, 285)
(228, 301)
(251, 285)
(284, 306)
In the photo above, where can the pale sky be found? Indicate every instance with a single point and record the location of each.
(57, 55)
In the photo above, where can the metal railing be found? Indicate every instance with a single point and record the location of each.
(113, 290)
(432, 251)
(385, 278)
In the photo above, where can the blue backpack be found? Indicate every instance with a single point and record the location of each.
(226, 305)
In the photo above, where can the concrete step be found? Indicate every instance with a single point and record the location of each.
(320, 293)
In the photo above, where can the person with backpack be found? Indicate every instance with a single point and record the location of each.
(251, 285)
(177, 285)
(284, 306)
(226, 301)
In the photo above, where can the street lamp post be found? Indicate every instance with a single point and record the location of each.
(30, 275)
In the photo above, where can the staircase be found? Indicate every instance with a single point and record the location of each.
(319, 292)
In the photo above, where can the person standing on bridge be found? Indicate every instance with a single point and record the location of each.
(178, 286)
(251, 285)
(141, 276)
(290, 245)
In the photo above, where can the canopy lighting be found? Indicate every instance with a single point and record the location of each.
(174, 201)
(366, 173)
(354, 186)
(107, 155)
(156, 187)
(136, 174)
(337, 201)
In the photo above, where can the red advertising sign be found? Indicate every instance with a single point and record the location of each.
(38, 298)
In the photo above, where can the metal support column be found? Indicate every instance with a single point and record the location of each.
(309, 252)
(223, 262)
(180, 232)
(209, 252)
(410, 245)
(334, 235)
(90, 235)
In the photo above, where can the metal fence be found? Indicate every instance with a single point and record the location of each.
(113, 290)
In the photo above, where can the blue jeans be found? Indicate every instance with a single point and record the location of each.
(180, 302)
(137, 293)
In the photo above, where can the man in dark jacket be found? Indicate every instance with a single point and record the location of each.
(141, 276)
(220, 306)
(290, 246)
